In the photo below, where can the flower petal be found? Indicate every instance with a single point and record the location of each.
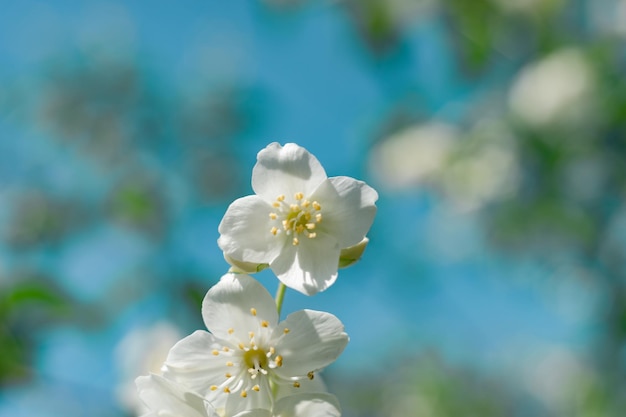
(305, 385)
(311, 266)
(313, 340)
(245, 231)
(162, 395)
(308, 405)
(286, 170)
(191, 362)
(348, 206)
(261, 399)
(254, 413)
(238, 305)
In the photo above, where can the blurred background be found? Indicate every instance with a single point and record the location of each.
(494, 131)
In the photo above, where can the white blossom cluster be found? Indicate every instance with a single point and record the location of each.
(304, 226)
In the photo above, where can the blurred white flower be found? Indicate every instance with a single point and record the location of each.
(557, 376)
(248, 352)
(557, 89)
(607, 17)
(299, 219)
(482, 177)
(413, 156)
(142, 351)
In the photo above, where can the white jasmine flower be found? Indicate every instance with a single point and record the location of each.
(165, 398)
(299, 219)
(249, 355)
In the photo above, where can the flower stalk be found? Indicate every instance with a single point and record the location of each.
(280, 296)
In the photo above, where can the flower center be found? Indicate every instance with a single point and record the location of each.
(246, 361)
(256, 361)
(296, 219)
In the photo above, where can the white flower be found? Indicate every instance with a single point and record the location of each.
(166, 398)
(307, 405)
(299, 219)
(249, 355)
(142, 351)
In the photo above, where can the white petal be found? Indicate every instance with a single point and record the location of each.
(191, 362)
(254, 400)
(236, 306)
(254, 413)
(245, 231)
(285, 388)
(348, 207)
(286, 170)
(308, 405)
(314, 340)
(162, 395)
(311, 266)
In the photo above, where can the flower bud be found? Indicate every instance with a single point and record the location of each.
(352, 254)
(240, 267)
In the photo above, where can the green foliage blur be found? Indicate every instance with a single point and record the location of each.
(541, 164)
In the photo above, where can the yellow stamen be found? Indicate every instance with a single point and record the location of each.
(311, 375)
(227, 390)
(256, 388)
(280, 198)
(299, 196)
(253, 311)
(312, 235)
(244, 394)
(213, 387)
(286, 330)
(215, 352)
(231, 331)
(229, 363)
(295, 241)
(316, 205)
(273, 216)
(279, 361)
(274, 230)
(264, 323)
(296, 384)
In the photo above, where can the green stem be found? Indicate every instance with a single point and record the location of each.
(280, 296)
